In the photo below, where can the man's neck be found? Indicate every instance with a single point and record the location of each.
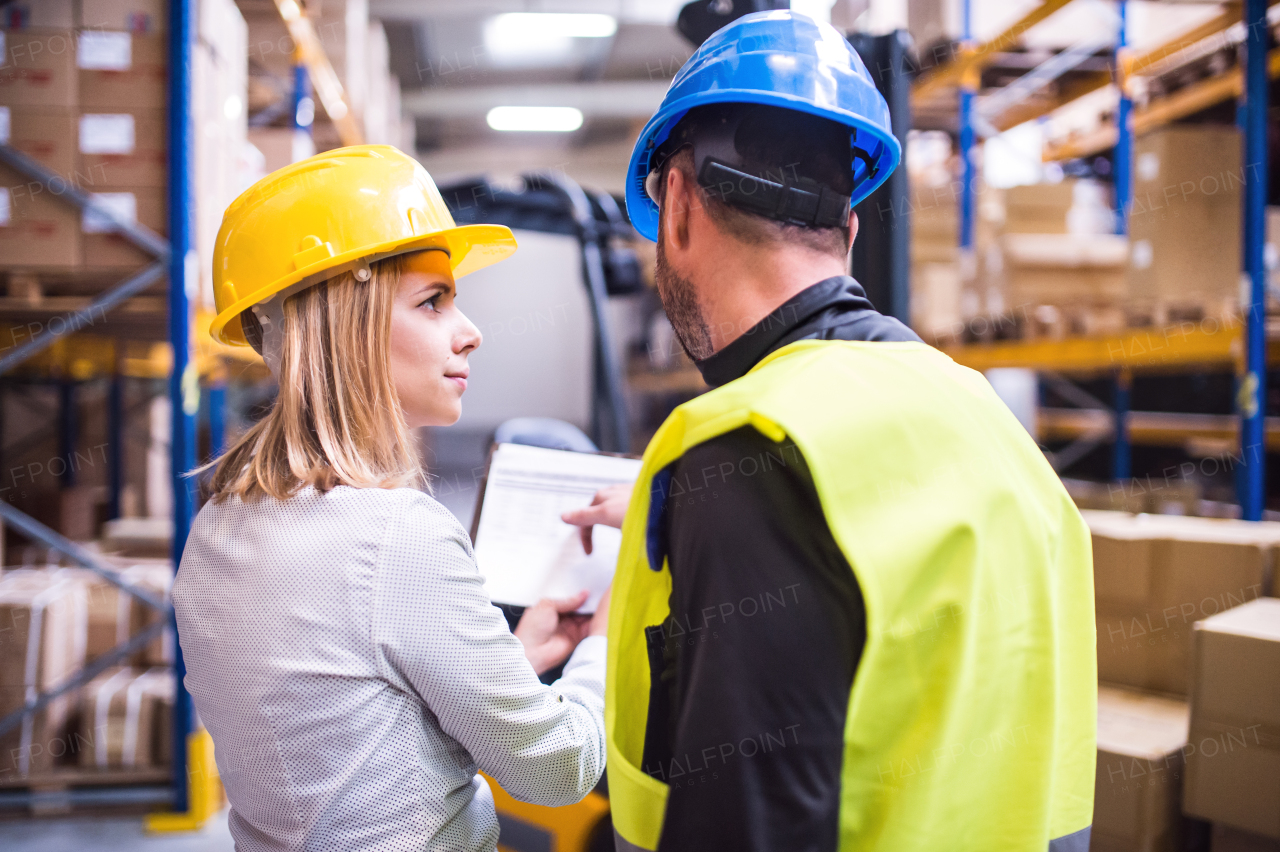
(738, 287)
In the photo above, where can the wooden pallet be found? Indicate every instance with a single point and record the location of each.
(32, 300)
(64, 777)
(1060, 321)
(49, 789)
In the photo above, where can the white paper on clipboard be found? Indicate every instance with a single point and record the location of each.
(523, 549)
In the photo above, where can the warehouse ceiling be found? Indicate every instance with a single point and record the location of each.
(453, 68)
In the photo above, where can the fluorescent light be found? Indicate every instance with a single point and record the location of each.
(535, 118)
(530, 26)
(516, 39)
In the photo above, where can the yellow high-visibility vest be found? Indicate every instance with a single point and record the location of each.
(971, 721)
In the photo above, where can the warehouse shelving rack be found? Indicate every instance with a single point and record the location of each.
(1245, 347)
(193, 793)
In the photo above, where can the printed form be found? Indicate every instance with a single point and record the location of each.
(523, 549)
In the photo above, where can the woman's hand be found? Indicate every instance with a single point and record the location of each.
(550, 630)
(608, 507)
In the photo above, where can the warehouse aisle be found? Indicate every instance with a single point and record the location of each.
(106, 834)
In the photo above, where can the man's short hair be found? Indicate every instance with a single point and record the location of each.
(777, 144)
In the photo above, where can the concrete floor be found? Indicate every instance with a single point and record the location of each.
(108, 834)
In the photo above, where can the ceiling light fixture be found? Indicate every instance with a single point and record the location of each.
(515, 39)
(538, 119)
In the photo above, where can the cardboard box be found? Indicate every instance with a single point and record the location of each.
(1227, 839)
(125, 148)
(936, 301)
(38, 231)
(1185, 225)
(1233, 766)
(51, 612)
(106, 249)
(1039, 208)
(1141, 742)
(126, 719)
(38, 14)
(141, 17)
(46, 135)
(1155, 576)
(38, 68)
(121, 71)
(1063, 269)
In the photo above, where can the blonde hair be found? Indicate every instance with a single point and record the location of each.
(336, 419)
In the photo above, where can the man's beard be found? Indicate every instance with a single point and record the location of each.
(681, 304)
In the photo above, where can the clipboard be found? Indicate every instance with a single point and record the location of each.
(523, 550)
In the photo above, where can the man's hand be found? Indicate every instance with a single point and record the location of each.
(550, 630)
(608, 507)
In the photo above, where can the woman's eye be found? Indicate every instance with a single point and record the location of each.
(432, 302)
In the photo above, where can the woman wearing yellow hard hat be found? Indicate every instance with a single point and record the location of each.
(338, 641)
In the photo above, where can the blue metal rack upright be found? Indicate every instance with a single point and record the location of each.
(1121, 451)
(1251, 399)
(184, 385)
(968, 92)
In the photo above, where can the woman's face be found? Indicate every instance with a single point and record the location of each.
(430, 342)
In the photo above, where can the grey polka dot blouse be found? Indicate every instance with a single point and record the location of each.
(342, 651)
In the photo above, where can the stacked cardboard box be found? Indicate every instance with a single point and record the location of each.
(126, 719)
(43, 637)
(39, 94)
(1185, 223)
(1156, 579)
(52, 622)
(1060, 266)
(1156, 575)
(1142, 741)
(88, 100)
(1068, 270)
(1233, 761)
(115, 615)
(946, 288)
(122, 138)
(1042, 245)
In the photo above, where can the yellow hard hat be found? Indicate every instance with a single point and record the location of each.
(336, 211)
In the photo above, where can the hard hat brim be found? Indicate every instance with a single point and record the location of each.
(470, 248)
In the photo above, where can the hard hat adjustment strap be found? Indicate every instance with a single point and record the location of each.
(811, 204)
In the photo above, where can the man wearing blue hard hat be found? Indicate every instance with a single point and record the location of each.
(854, 604)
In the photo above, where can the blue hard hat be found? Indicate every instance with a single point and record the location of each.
(779, 59)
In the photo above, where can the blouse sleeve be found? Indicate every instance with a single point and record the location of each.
(436, 633)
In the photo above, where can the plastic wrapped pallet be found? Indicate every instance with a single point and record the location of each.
(43, 635)
(154, 576)
(115, 615)
(126, 719)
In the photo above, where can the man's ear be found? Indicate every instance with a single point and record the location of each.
(853, 228)
(676, 207)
